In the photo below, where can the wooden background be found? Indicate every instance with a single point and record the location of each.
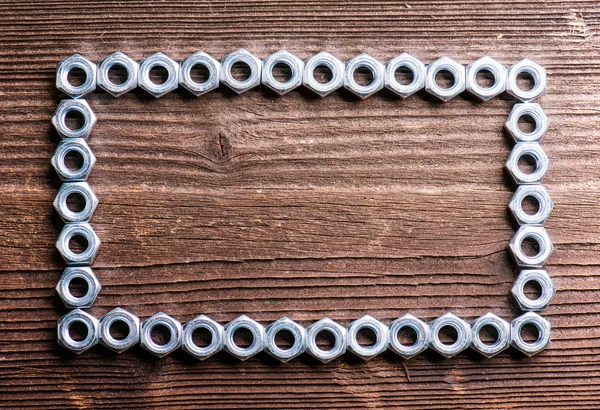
(298, 206)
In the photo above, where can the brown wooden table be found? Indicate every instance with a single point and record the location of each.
(298, 206)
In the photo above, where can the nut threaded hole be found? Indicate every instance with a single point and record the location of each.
(527, 124)
(532, 290)
(199, 73)
(78, 244)
(525, 81)
(325, 340)
(530, 247)
(118, 74)
(78, 331)
(202, 337)
(160, 334)
(404, 75)
(158, 75)
(243, 338)
(284, 339)
(530, 333)
(444, 79)
(76, 77)
(530, 205)
(76, 202)
(363, 76)
(282, 72)
(488, 335)
(366, 337)
(74, 120)
(485, 78)
(527, 164)
(323, 74)
(73, 160)
(241, 71)
(407, 336)
(78, 287)
(119, 330)
(448, 335)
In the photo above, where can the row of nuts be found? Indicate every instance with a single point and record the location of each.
(302, 73)
(304, 339)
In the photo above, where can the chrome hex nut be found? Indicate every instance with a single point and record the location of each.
(501, 326)
(371, 64)
(75, 188)
(547, 286)
(537, 234)
(93, 287)
(258, 337)
(411, 63)
(339, 333)
(76, 61)
(118, 59)
(534, 151)
(76, 146)
(78, 229)
(457, 70)
(166, 321)
(535, 112)
(60, 115)
(241, 56)
(216, 333)
(282, 57)
(212, 66)
(543, 327)
(539, 193)
(158, 60)
(297, 331)
(499, 72)
(422, 333)
(381, 337)
(64, 335)
(323, 59)
(133, 325)
(537, 73)
(463, 335)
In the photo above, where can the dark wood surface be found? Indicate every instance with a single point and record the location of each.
(299, 206)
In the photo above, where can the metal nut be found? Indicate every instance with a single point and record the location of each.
(463, 335)
(539, 193)
(79, 147)
(323, 59)
(62, 76)
(75, 229)
(258, 337)
(326, 325)
(216, 342)
(69, 188)
(502, 328)
(214, 73)
(158, 60)
(547, 286)
(540, 236)
(297, 331)
(422, 333)
(543, 328)
(282, 57)
(243, 56)
(371, 64)
(537, 72)
(129, 319)
(166, 321)
(533, 150)
(114, 60)
(67, 106)
(381, 337)
(495, 68)
(93, 287)
(535, 112)
(411, 63)
(445, 64)
(64, 336)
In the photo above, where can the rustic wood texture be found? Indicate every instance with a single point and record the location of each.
(299, 206)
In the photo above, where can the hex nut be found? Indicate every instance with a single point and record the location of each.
(463, 335)
(60, 115)
(244, 56)
(411, 63)
(338, 332)
(537, 72)
(540, 236)
(422, 333)
(533, 150)
(70, 188)
(381, 337)
(547, 286)
(297, 348)
(79, 147)
(172, 325)
(216, 342)
(456, 69)
(333, 64)
(371, 64)
(114, 60)
(93, 287)
(282, 57)
(112, 317)
(212, 66)
(158, 60)
(75, 229)
(258, 337)
(502, 328)
(543, 328)
(64, 336)
(499, 72)
(76, 61)
(535, 112)
(539, 193)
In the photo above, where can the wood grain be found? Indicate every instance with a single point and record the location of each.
(299, 206)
